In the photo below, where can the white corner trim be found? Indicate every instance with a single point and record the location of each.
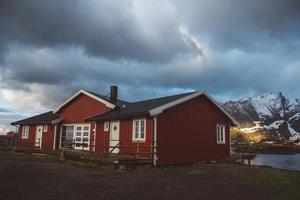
(106, 103)
(160, 109)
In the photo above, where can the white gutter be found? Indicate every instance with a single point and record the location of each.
(56, 121)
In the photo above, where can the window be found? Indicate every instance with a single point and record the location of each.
(106, 126)
(25, 132)
(75, 136)
(67, 136)
(220, 134)
(139, 130)
(45, 128)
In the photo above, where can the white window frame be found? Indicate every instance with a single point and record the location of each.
(45, 128)
(106, 126)
(25, 132)
(74, 134)
(138, 138)
(221, 133)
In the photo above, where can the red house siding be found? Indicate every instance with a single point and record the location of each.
(29, 142)
(102, 138)
(132, 148)
(78, 110)
(48, 138)
(187, 133)
(128, 146)
(81, 108)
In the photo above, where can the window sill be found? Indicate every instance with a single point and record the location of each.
(221, 142)
(143, 141)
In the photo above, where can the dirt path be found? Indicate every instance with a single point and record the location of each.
(24, 177)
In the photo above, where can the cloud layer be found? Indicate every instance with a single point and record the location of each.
(49, 49)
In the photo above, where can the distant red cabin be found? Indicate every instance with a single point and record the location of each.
(179, 129)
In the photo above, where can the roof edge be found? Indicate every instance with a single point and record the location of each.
(106, 103)
(158, 110)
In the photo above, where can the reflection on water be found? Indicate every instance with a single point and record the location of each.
(291, 162)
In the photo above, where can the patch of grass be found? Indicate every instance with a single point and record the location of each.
(287, 183)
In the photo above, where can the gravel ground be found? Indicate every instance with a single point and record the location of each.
(31, 177)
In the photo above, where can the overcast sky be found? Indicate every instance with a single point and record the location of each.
(232, 48)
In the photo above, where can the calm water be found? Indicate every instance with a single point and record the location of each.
(291, 162)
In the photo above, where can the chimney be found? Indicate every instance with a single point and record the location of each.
(114, 94)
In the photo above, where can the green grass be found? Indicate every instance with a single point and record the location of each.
(286, 183)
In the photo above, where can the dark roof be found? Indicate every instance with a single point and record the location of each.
(106, 98)
(137, 108)
(44, 118)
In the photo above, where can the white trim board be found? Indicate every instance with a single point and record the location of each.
(160, 109)
(106, 103)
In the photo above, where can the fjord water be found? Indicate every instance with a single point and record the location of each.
(289, 162)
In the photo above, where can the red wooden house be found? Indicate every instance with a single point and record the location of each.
(177, 129)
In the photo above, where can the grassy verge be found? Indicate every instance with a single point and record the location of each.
(286, 183)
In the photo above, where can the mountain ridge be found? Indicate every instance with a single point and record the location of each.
(272, 112)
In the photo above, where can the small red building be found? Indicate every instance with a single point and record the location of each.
(184, 128)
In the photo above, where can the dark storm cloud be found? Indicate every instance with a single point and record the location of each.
(249, 25)
(104, 28)
(232, 48)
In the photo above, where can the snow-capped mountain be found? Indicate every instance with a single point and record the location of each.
(272, 112)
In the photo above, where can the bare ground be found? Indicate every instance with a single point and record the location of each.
(31, 177)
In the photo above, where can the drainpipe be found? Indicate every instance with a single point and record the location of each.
(155, 141)
(54, 140)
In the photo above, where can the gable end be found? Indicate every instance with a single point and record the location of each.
(106, 103)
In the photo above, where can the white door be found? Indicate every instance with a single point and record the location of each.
(38, 136)
(82, 135)
(114, 136)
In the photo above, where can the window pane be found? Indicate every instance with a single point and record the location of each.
(86, 134)
(78, 133)
(137, 130)
(78, 128)
(69, 133)
(85, 128)
(142, 135)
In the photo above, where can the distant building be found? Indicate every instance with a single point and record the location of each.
(294, 138)
(10, 139)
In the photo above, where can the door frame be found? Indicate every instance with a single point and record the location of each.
(117, 150)
(74, 134)
(89, 136)
(41, 139)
